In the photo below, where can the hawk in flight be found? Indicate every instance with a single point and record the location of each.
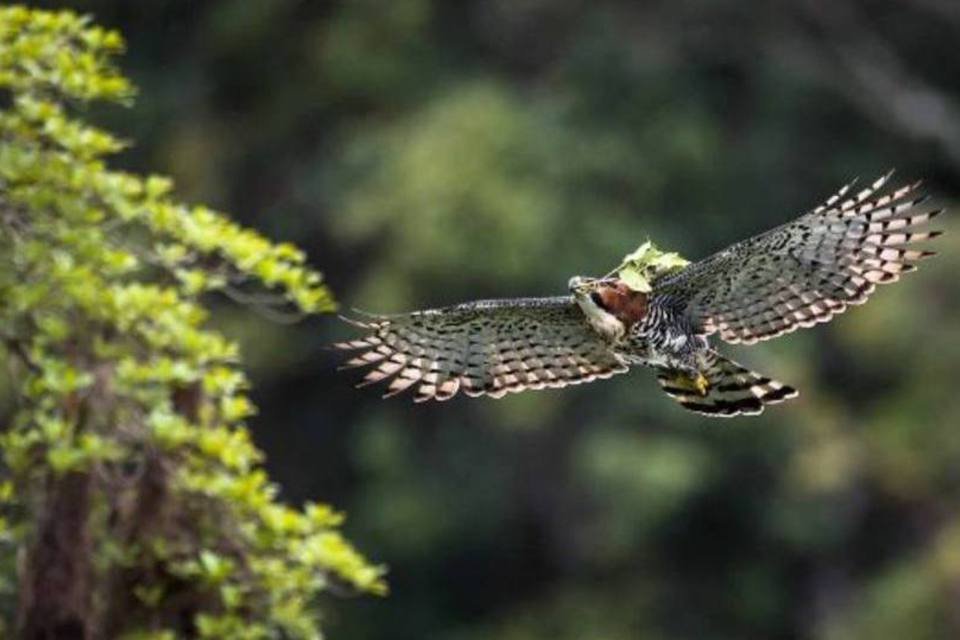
(796, 275)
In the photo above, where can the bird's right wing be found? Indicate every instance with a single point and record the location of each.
(491, 347)
(805, 271)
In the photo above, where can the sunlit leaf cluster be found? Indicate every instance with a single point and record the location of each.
(640, 267)
(103, 311)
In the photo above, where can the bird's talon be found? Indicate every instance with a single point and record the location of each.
(702, 384)
(699, 383)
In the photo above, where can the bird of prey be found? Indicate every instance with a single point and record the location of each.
(795, 275)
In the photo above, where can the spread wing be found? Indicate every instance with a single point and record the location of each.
(806, 271)
(490, 347)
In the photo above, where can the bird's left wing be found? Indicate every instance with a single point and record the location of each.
(805, 271)
(489, 347)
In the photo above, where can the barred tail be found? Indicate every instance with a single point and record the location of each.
(725, 389)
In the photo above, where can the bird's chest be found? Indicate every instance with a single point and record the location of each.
(664, 338)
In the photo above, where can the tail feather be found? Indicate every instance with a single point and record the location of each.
(726, 389)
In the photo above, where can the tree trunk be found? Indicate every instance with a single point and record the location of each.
(56, 574)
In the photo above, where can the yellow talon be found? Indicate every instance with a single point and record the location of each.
(702, 384)
(699, 383)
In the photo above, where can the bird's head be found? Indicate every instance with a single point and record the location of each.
(578, 284)
(587, 284)
(609, 303)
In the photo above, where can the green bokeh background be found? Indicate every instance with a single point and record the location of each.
(425, 153)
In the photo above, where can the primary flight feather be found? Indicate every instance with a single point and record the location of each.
(796, 275)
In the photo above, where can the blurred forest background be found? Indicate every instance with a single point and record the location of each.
(425, 153)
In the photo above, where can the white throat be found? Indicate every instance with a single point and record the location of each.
(604, 323)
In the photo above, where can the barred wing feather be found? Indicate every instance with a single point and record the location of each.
(491, 347)
(806, 271)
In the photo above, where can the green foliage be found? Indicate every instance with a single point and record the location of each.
(415, 180)
(121, 383)
(640, 267)
(455, 150)
(549, 137)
